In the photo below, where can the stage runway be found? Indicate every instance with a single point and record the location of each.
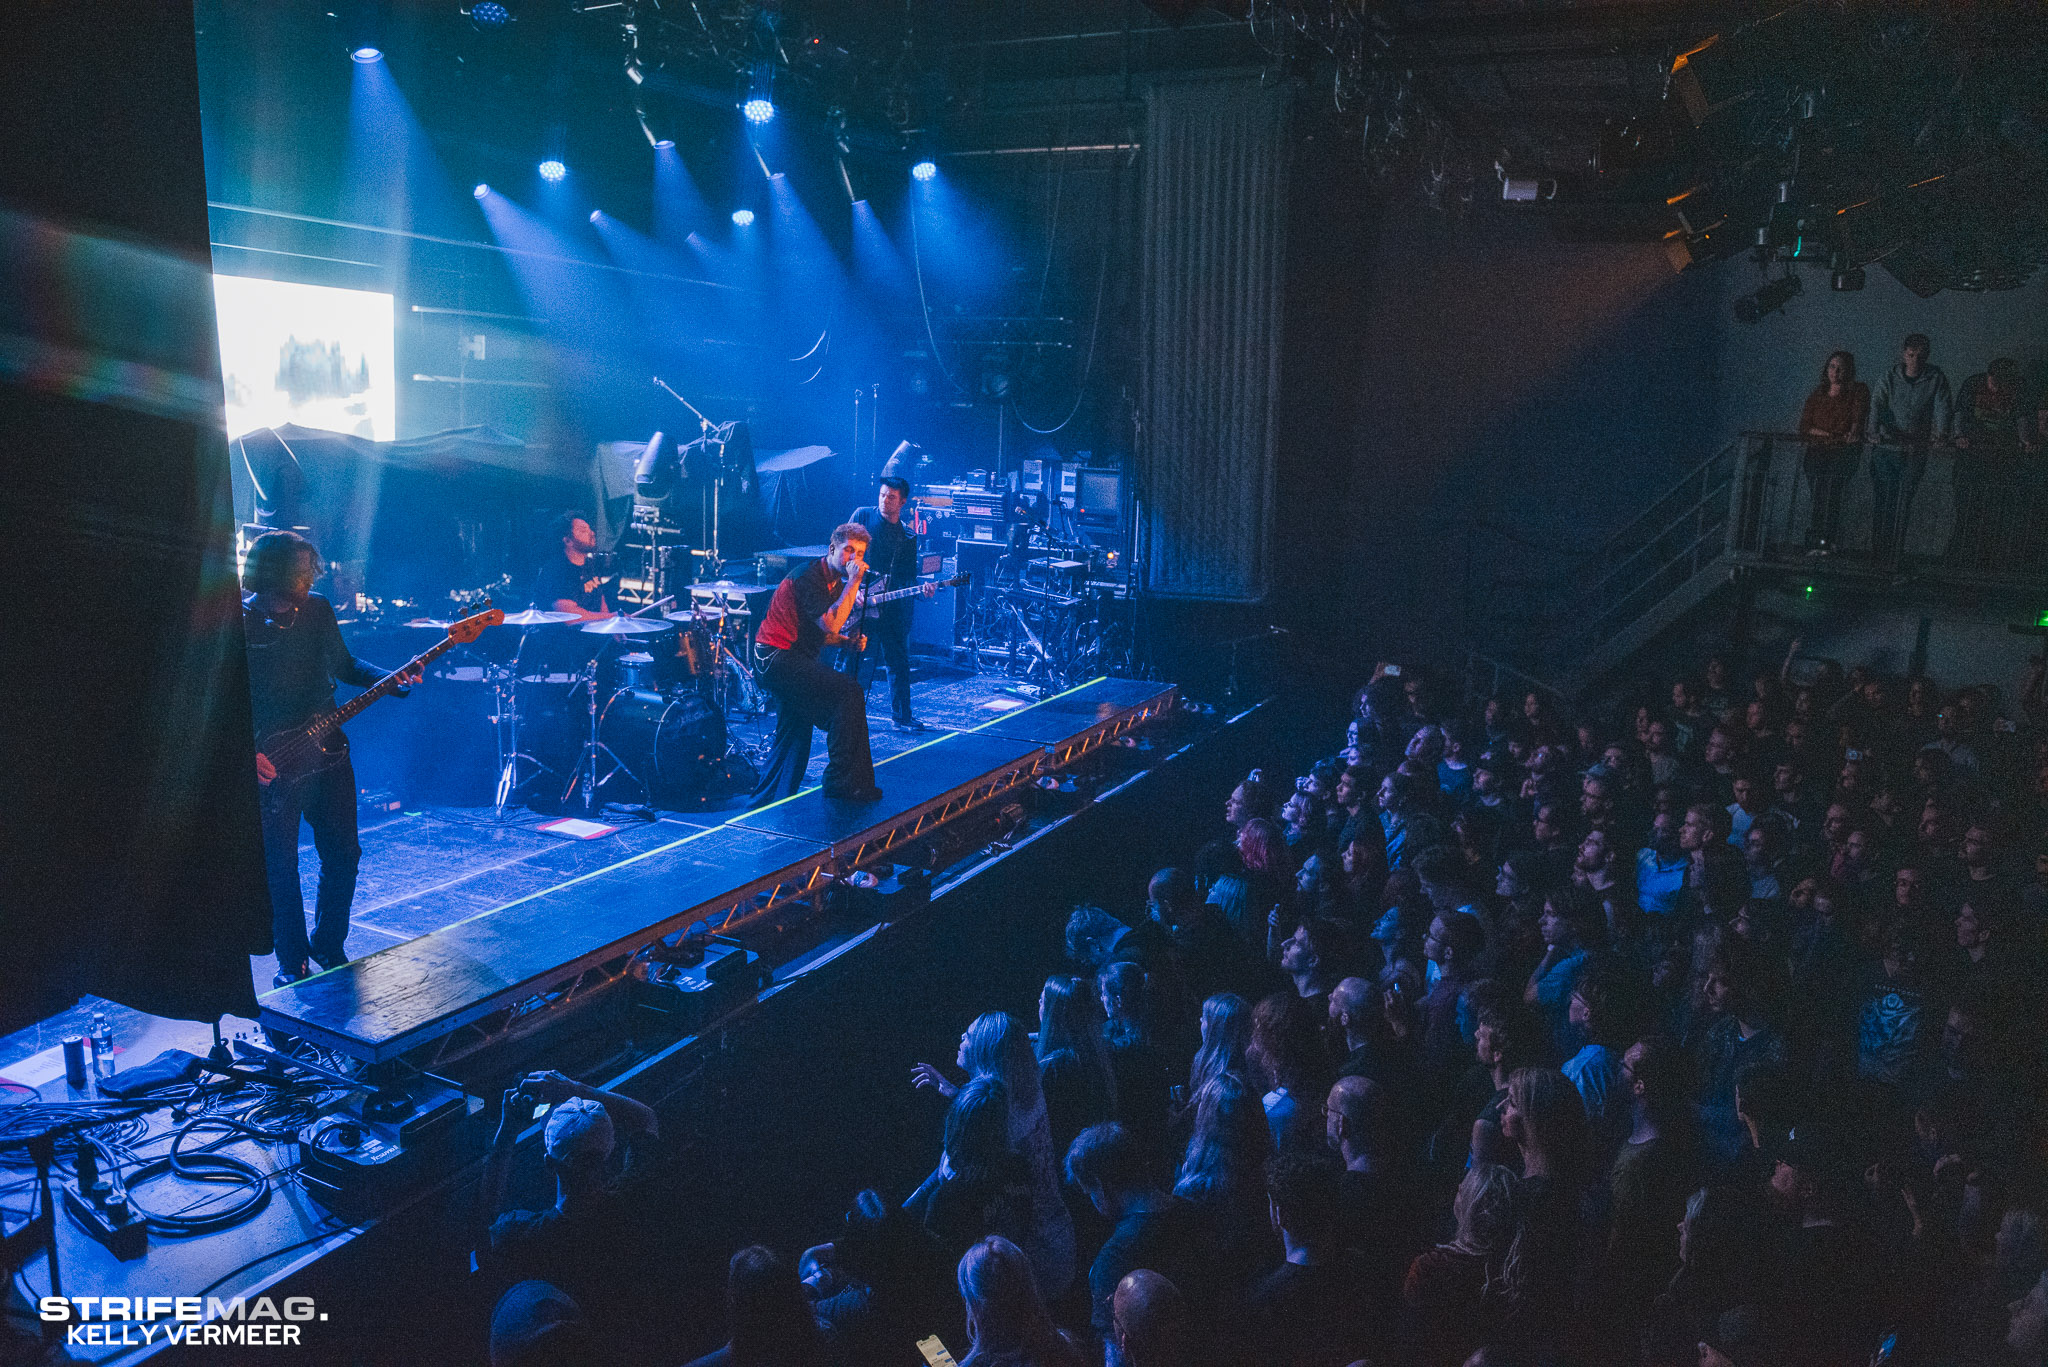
(430, 866)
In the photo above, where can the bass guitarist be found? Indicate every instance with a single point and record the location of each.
(296, 656)
(893, 554)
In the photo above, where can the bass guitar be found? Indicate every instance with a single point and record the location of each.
(298, 752)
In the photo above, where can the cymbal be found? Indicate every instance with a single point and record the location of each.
(696, 614)
(436, 623)
(534, 617)
(625, 626)
(728, 586)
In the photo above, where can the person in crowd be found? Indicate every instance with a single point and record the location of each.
(1378, 1206)
(1138, 1064)
(1289, 1055)
(1196, 928)
(1655, 1171)
(1149, 1227)
(1832, 422)
(1453, 1292)
(1597, 1017)
(1358, 1028)
(1313, 957)
(770, 1320)
(1008, 1324)
(538, 1325)
(1829, 1281)
(1455, 947)
(1911, 410)
(1150, 1325)
(1074, 1070)
(1315, 1309)
(1220, 1173)
(1572, 925)
(1743, 1034)
(594, 1144)
(982, 1185)
(1226, 1043)
(997, 1045)
(879, 1283)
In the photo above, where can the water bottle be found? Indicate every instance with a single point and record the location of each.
(102, 1045)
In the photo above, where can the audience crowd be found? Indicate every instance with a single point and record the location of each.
(1705, 1029)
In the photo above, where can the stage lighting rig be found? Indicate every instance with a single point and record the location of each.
(924, 170)
(490, 16)
(1768, 299)
(552, 171)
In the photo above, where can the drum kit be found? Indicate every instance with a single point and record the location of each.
(658, 692)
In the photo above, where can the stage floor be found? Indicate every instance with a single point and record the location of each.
(428, 867)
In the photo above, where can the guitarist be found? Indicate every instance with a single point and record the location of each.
(892, 551)
(809, 611)
(296, 655)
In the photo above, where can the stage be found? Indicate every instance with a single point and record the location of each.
(476, 936)
(428, 866)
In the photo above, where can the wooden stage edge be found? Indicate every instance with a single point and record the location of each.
(576, 934)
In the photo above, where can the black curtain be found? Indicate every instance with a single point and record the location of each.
(130, 858)
(1215, 229)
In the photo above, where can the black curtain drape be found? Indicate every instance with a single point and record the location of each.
(130, 856)
(1215, 225)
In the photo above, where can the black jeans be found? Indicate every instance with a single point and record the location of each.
(891, 631)
(1827, 478)
(809, 694)
(1895, 474)
(327, 802)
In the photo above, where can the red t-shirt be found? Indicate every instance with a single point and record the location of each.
(793, 612)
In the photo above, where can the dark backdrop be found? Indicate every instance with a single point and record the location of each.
(130, 859)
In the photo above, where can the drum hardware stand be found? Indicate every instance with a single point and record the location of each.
(505, 685)
(584, 780)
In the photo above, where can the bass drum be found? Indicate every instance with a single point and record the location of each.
(674, 742)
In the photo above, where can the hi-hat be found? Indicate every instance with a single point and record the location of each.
(704, 613)
(624, 626)
(534, 617)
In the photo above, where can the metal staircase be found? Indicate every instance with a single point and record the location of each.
(1978, 521)
(1663, 564)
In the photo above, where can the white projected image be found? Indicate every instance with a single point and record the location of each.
(306, 354)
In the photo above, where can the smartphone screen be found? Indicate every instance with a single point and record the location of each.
(935, 1352)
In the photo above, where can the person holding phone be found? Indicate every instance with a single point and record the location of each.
(577, 1243)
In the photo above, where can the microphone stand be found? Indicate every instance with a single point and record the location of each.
(706, 428)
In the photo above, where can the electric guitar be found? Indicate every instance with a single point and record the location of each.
(855, 645)
(298, 752)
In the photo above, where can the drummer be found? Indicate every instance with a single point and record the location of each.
(571, 581)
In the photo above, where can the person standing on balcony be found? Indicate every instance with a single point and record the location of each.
(1832, 423)
(1993, 427)
(1911, 410)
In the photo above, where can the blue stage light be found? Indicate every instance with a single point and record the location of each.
(367, 55)
(924, 170)
(489, 15)
(743, 218)
(664, 144)
(596, 214)
(758, 109)
(481, 190)
(552, 170)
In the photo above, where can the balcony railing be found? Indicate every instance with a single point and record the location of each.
(1969, 516)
